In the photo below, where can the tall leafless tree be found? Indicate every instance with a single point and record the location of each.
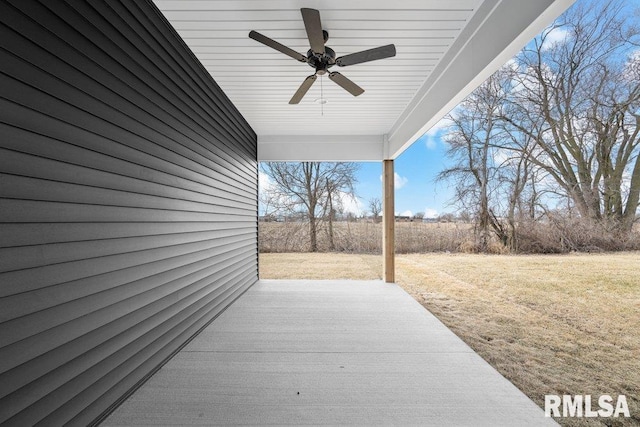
(476, 140)
(560, 124)
(578, 97)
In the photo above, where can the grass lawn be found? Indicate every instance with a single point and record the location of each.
(551, 324)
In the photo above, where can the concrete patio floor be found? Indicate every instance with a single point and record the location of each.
(327, 352)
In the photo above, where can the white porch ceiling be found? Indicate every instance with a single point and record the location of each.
(445, 48)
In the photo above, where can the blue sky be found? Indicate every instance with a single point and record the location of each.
(416, 169)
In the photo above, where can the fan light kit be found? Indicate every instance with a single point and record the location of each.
(321, 57)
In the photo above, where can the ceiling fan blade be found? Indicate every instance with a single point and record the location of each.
(312, 24)
(277, 46)
(302, 90)
(346, 84)
(367, 55)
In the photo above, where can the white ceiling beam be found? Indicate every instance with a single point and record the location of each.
(319, 148)
(497, 31)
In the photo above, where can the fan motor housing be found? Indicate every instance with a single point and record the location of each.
(321, 62)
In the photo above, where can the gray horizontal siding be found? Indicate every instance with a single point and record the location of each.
(128, 204)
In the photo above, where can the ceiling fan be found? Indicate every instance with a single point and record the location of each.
(321, 57)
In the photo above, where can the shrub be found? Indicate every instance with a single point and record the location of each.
(557, 234)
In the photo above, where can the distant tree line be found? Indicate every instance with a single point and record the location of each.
(553, 136)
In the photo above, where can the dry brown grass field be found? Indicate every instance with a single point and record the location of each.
(364, 237)
(418, 237)
(551, 324)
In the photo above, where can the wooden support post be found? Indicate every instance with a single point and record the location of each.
(388, 222)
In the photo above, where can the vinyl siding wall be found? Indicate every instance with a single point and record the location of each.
(128, 185)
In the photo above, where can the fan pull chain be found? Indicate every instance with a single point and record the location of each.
(321, 97)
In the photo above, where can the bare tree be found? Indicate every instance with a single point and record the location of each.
(558, 127)
(330, 211)
(579, 98)
(310, 188)
(375, 207)
(476, 139)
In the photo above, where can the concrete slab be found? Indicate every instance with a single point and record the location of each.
(327, 353)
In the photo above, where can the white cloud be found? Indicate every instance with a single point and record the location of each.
(398, 181)
(405, 213)
(350, 204)
(631, 70)
(502, 156)
(512, 65)
(442, 125)
(430, 142)
(264, 182)
(430, 213)
(432, 136)
(527, 80)
(554, 37)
